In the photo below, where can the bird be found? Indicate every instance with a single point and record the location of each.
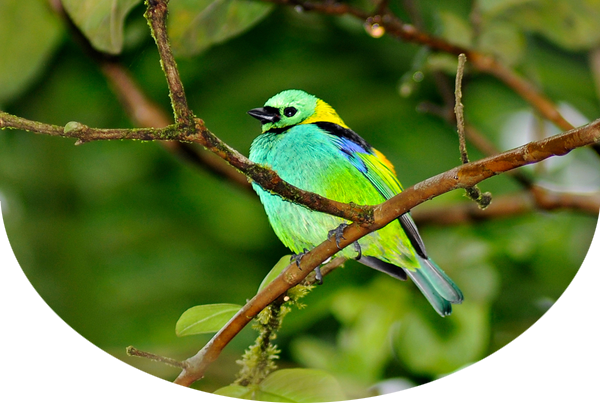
(306, 142)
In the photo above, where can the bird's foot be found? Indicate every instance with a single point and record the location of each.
(358, 250)
(318, 275)
(298, 257)
(339, 235)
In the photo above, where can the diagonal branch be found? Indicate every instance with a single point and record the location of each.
(463, 176)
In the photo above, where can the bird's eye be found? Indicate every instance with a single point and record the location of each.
(290, 111)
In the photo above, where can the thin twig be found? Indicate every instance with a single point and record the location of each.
(82, 132)
(473, 192)
(537, 199)
(134, 352)
(459, 108)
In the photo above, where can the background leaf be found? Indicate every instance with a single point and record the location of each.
(571, 24)
(205, 318)
(195, 25)
(290, 385)
(101, 21)
(238, 391)
(300, 386)
(29, 33)
(275, 271)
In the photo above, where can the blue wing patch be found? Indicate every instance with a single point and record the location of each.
(351, 150)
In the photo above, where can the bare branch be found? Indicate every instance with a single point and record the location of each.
(459, 109)
(134, 352)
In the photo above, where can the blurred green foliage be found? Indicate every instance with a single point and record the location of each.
(120, 238)
(100, 21)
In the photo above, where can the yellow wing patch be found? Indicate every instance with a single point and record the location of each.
(324, 113)
(381, 173)
(385, 161)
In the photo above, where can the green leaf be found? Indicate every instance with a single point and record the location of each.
(300, 386)
(101, 21)
(205, 318)
(504, 40)
(456, 29)
(195, 25)
(29, 33)
(275, 271)
(290, 385)
(571, 24)
(238, 391)
(495, 7)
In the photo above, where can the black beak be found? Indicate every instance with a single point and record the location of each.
(265, 115)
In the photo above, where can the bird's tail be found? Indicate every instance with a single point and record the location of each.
(438, 288)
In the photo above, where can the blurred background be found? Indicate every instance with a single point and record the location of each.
(121, 237)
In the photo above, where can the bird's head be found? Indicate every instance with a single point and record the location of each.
(293, 107)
